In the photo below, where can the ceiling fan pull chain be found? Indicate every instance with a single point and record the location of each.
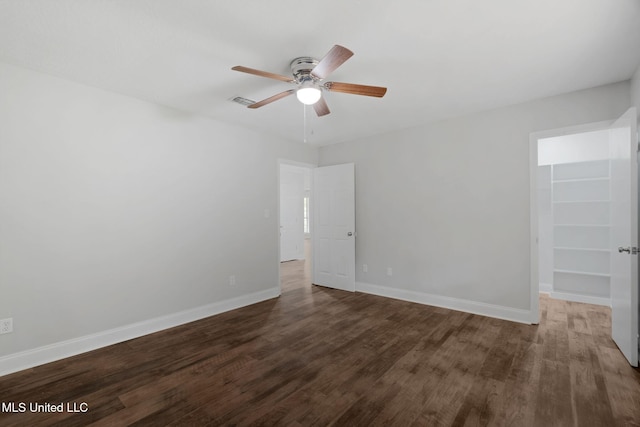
(304, 120)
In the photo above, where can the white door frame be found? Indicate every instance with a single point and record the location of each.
(304, 165)
(534, 305)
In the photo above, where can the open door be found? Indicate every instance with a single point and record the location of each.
(334, 250)
(624, 235)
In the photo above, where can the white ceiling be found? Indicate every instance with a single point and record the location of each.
(438, 58)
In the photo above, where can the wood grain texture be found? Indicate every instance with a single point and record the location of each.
(321, 108)
(356, 89)
(317, 356)
(263, 74)
(336, 56)
(271, 99)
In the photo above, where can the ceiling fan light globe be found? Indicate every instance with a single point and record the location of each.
(308, 95)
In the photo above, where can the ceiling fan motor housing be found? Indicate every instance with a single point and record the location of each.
(301, 68)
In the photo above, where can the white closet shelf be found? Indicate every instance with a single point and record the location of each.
(582, 225)
(581, 201)
(567, 248)
(578, 249)
(584, 273)
(604, 178)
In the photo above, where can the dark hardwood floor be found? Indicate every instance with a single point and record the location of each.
(317, 356)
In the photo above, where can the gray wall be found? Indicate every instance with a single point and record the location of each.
(635, 91)
(115, 211)
(446, 205)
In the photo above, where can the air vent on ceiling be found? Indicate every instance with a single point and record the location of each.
(243, 101)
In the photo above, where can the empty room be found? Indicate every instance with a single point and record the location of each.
(341, 213)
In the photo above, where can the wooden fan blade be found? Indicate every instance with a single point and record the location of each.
(332, 60)
(354, 89)
(272, 99)
(263, 73)
(321, 107)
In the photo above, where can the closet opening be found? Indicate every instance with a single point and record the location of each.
(574, 227)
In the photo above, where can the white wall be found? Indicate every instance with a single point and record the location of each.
(446, 205)
(635, 91)
(115, 211)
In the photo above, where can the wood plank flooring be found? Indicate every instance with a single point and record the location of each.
(318, 356)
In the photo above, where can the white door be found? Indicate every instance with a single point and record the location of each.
(624, 235)
(334, 243)
(291, 212)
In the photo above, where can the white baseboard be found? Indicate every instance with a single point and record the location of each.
(60, 350)
(581, 298)
(545, 287)
(483, 309)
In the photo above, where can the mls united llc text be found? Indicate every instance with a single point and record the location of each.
(21, 407)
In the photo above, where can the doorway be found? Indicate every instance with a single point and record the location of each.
(540, 193)
(294, 221)
(316, 213)
(586, 193)
(574, 227)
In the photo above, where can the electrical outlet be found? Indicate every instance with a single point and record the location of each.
(365, 268)
(389, 271)
(232, 280)
(6, 326)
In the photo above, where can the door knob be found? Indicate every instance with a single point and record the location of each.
(630, 250)
(349, 234)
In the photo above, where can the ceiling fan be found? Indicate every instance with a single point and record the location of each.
(309, 75)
